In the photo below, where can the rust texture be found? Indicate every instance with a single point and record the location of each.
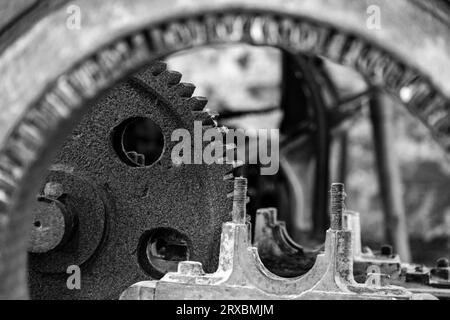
(72, 70)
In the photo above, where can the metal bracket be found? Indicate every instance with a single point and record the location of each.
(277, 250)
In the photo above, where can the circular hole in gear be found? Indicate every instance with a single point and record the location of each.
(138, 141)
(161, 249)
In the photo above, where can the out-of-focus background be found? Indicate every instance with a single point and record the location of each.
(247, 78)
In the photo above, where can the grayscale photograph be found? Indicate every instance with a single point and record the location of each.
(220, 150)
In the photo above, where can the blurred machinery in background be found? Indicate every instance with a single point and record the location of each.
(87, 144)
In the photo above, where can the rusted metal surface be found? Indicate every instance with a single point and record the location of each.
(241, 275)
(163, 201)
(304, 85)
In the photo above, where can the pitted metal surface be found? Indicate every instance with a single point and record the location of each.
(382, 66)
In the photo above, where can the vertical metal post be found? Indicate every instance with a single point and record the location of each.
(389, 177)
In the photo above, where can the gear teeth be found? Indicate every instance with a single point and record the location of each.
(170, 77)
(157, 68)
(216, 145)
(184, 90)
(226, 148)
(197, 103)
(206, 119)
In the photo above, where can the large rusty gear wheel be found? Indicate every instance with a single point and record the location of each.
(180, 207)
(119, 37)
